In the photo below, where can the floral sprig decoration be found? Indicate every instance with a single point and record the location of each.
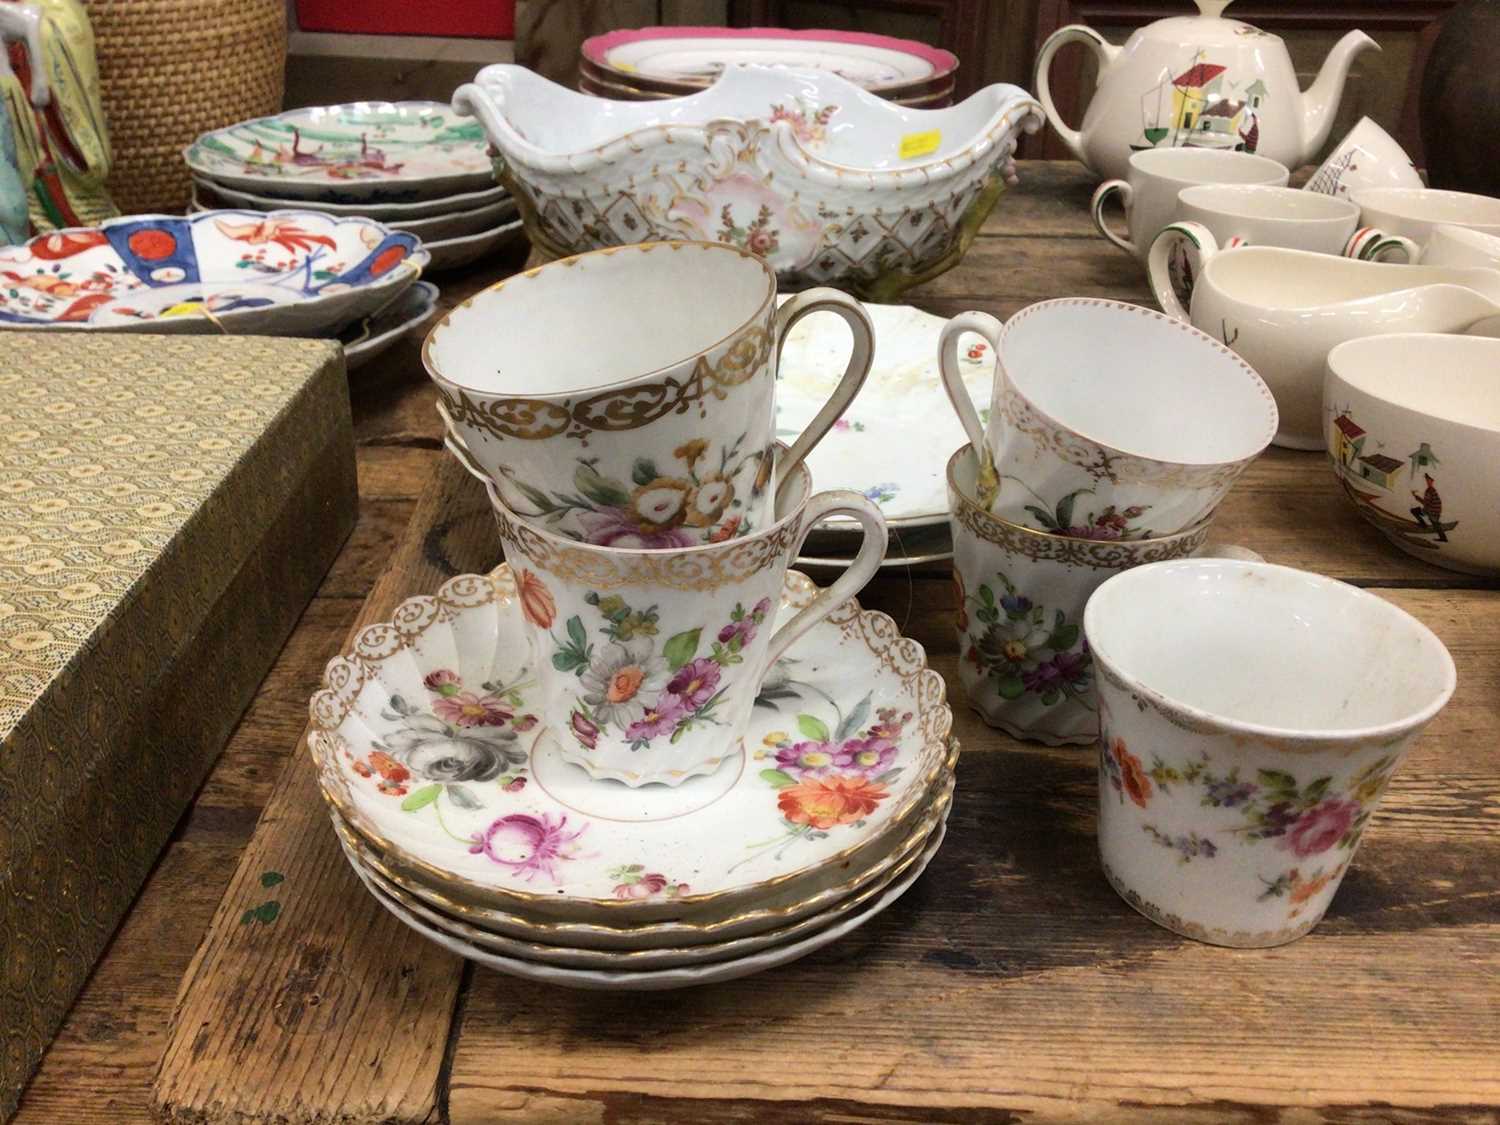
(641, 693)
(1024, 649)
(829, 778)
(656, 507)
(1111, 524)
(461, 737)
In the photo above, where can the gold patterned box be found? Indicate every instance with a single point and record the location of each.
(168, 506)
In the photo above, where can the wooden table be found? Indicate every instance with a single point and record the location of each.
(1009, 984)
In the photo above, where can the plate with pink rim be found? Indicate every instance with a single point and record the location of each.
(893, 442)
(393, 152)
(658, 955)
(428, 745)
(694, 56)
(684, 976)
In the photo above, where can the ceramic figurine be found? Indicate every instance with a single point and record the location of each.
(67, 131)
(1200, 81)
(831, 184)
(21, 23)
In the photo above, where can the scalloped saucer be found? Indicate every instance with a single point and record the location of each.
(429, 747)
(681, 976)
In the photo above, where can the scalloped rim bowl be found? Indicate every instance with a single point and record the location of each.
(288, 273)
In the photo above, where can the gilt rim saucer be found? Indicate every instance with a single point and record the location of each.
(684, 976)
(425, 731)
(601, 937)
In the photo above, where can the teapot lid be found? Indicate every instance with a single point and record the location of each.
(1213, 9)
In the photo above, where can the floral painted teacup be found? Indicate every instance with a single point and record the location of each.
(1022, 658)
(1111, 409)
(1250, 717)
(649, 661)
(625, 397)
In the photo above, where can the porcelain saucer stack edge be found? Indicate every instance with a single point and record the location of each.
(459, 814)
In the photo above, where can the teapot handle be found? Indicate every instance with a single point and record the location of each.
(1073, 33)
(1174, 290)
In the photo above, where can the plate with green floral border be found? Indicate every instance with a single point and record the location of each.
(391, 152)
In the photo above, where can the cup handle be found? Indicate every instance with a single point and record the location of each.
(1370, 244)
(860, 356)
(1200, 246)
(1227, 551)
(460, 448)
(1096, 207)
(985, 325)
(838, 502)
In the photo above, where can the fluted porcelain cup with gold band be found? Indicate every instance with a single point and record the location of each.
(649, 661)
(1241, 754)
(1020, 597)
(1150, 194)
(1107, 417)
(625, 397)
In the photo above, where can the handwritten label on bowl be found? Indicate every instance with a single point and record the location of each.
(914, 145)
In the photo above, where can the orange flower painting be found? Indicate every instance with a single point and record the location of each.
(826, 802)
(1132, 774)
(537, 603)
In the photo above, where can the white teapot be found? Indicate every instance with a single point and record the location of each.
(1202, 81)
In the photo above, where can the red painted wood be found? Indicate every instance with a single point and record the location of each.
(465, 19)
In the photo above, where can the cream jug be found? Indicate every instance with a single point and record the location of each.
(1200, 81)
(1283, 310)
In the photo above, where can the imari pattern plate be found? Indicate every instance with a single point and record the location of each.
(286, 273)
(428, 745)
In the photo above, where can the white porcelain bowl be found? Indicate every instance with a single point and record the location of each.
(831, 184)
(1414, 439)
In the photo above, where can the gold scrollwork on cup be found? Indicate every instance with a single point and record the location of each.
(623, 408)
(1100, 554)
(600, 568)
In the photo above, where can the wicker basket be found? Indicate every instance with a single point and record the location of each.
(171, 69)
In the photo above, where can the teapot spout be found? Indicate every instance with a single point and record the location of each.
(1320, 101)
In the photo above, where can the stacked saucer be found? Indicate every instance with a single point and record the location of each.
(413, 166)
(651, 63)
(458, 814)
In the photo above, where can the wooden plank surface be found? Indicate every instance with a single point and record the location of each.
(1010, 983)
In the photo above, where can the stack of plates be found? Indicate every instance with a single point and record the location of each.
(902, 406)
(669, 62)
(413, 166)
(459, 817)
